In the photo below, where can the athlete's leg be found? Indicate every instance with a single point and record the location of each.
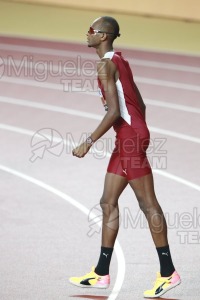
(138, 170)
(144, 191)
(145, 194)
(135, 163)
(113, 187)
(168, 278)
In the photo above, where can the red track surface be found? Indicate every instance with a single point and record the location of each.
(44, 239)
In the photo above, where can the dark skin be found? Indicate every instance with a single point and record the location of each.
(114, 185)
(108, 75)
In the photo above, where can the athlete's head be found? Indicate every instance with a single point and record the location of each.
(109, 24)
(103, 29)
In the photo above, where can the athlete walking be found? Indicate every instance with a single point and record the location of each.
(128, 163)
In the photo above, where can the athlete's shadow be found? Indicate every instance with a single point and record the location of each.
(94, 297)
(161, 298)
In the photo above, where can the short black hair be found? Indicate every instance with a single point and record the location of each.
(111, 25)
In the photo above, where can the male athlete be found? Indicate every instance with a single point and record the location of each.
(128, 163)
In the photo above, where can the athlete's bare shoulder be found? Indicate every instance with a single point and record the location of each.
(106, 68)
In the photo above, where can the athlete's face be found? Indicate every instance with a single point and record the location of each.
(93, 37)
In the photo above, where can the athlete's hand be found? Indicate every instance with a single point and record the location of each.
(81, 150)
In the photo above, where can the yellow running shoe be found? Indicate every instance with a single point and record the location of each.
(162, 285)
(91, 280)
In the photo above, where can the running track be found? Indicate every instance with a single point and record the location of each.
(49, 199)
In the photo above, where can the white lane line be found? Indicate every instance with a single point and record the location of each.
(78, 113)
(91, 56)
(160, 65)
(34, 83)
(30, 133)
(49, 107)
(175, 134)
(118, 250)
(168, 175)
(171, 105)
(59, 69)
(60, 87)
(165, 83)
(46, 85)
(178, 179)
(63, 85)
(143, 80)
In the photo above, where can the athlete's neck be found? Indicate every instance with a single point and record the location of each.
(102, 52)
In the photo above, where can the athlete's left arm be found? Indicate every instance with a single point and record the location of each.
(107, 74)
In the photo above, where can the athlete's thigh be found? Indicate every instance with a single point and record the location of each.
(144, 188)
(113, 187)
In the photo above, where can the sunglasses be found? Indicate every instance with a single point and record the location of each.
(94, 31)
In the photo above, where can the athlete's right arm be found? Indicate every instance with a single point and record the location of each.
(106, 73)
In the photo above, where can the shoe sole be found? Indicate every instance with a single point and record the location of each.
(164, 291)
(105, 286)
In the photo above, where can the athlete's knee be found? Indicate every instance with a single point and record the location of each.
(102, 202)
(141, 202)
(149, 206)
(144, 207)
(109, 201)
(109, 206)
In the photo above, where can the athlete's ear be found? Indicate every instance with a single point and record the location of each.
(104, 36)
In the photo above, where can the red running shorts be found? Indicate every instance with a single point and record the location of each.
(129, 155)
